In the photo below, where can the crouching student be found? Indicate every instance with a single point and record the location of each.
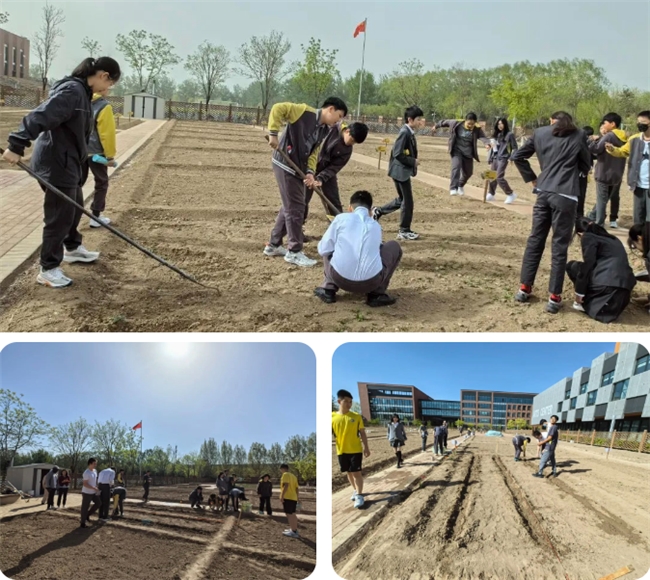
(264, 492)
(354, 258)
(196, 497)
(119, 495)
(640, 240)
(519, 441)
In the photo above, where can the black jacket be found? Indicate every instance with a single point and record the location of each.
(333, 156)
(605, 264)
(265, 488)
(195, 496)
(560, 158)
(64, 123)
(402, 166)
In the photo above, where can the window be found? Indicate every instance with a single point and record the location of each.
(567, 393)
(608, 379)
(642, 364)
(470, 405)
(484, 413)
(620, 390)
(22, 64)
(559, 407)
(470, 413)
(484, 406)
(6, 61)
(13, 61)
(469, 396)
(573, 403)
(583, 388)
(487, 398)
(591, 398)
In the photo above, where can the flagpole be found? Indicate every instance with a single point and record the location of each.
(140, 449)
(363, 62)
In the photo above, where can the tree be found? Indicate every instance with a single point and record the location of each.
(276, 457)
(210, 66)
(20, 428)
(239, 456)
(160, 460)
(226, 455)
(316, 74)
(189, 90)
(147, 54)
(164, 86)
(4, 17)
(47, 38)
(295, 448)
(310, 446)
(92, 47)
(109, 439)
(370, 89)
(73, 440)
(209, 454)
(262, 60)
(307, 467)
(35, 72)
(257, 457)
(128, 84)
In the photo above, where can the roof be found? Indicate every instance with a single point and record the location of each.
(143, 95)
(33, 466)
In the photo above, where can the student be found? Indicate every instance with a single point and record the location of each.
(45, 492)
(51, 483)
(438, 440)
(424, 433)
(89, 492)
(397, 438)
(64, 124)
(403, 165)
(609, 170)
(119, 495)
(504, 144)
(604, 279)
(196, 497)
(333, 155)
(289, 499)
(583, 178)
(236, 493)
(62, 486)
(121, 479)
(639, 239)
(638, 170)
(146, 483)
(354, 257)
(463, 148)
(351, 444)
(223, 485)
(543, 430)
(519, 441)
(562, 153)
(549, 444)
(306, 128)
(214, 503)
(105, 481)
(264, 492)
(445, 433)
(102, 142)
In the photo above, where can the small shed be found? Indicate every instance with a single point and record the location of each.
(29, 478)
(144, 106)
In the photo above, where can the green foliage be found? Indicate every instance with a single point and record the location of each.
(210, 66)
(91, 47)
(4, 17)
(306, 467)
(315, 76)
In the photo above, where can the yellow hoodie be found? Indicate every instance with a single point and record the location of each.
(106, 129)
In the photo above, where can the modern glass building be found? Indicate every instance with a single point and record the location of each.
(613, 393)
(495, 408)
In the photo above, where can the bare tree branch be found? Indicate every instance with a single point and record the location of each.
(47, 38)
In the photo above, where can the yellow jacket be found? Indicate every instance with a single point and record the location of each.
(105, 125)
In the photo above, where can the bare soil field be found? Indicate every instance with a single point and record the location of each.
(203, 196)
(168, 542)
(481, 515)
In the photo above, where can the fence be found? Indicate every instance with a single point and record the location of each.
(627, 440)
(219, 113)
(19, 98)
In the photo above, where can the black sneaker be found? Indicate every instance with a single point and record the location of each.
(536, 474)
(376, 300)
(522, 296)
(327, 296)
(376, 213)
(553, 307)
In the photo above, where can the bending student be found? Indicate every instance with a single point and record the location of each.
(604, 279)
(505, 144)
(562, 153)
(64, 123)
(354, 258)
(640, 240)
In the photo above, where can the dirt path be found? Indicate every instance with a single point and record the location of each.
(203, 196)
(482, 516)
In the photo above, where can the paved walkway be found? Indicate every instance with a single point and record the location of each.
(380, 491)
(21, 202)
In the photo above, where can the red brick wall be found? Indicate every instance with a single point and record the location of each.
(13, 41)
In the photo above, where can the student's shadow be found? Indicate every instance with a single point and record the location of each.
(568, 463)
(72, 539)
(443, 483)
(574, 471)
(309, 543)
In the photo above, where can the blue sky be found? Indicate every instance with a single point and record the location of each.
(610, 32)
(441, 370)
(183, 392)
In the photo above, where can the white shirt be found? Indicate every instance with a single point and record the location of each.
(354, 239)
(106, 476)
(90, 475)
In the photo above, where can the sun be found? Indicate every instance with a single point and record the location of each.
(177, 349)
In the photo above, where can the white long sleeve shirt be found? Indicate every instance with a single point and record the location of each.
(354, 238)
(106, 476)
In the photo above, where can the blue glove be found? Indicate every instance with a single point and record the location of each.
(100, 159)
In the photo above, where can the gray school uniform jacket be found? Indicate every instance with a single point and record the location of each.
(453, 124)
(402, 166)
(561, 160)
(95, 146)
(396, 432)
(609, 169)
(505, 146)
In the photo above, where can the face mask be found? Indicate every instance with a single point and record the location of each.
(643, 127)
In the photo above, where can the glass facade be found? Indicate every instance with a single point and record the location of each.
(514, 400)
(642, 364)
(573, 403)
(620, 390)
(384, 407)
(608, 379)
(487, 398)
(469, 396)
(591, 398)
(583, 388)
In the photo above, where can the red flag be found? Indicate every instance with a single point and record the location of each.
(138, 426)
(359, 29)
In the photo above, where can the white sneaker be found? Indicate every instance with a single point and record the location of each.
(54, 278)
(461, 191)
(291, 534)
(271, 250)
(80, 255)
(511, 198)
(578, 307)
(490, 197)
(354, 496)
(359, 501)
(453, 192)
(613, 225)
(299, 259)
(102, 218)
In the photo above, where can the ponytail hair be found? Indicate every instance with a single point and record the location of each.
(585, 225)
(564, 125)
(90, 66)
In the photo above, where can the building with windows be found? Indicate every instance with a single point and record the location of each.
(495, 408)
(15, 55)
(381, 401)
(613, 393)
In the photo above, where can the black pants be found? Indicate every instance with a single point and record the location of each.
(50, 496)
(583, 181)
(403, 202)
(100, 173)
(86, 499)
(120, 506)
(444, 440)
(438, 441)
(226, 499)
(105, 495)
(265, 504)
(63, 493)
(424, 443)
(559, 213)
(145, 497)
(61, 223)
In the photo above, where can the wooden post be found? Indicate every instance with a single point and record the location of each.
(644, 440)
(230, 113)
(257, 121)
(169, 109)
(200, 110)
(578, 437)
(611, 442)
(593, 437)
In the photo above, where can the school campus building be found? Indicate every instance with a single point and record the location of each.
(613, 393)
(15, 55)
(381, 401)
(495, 408)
